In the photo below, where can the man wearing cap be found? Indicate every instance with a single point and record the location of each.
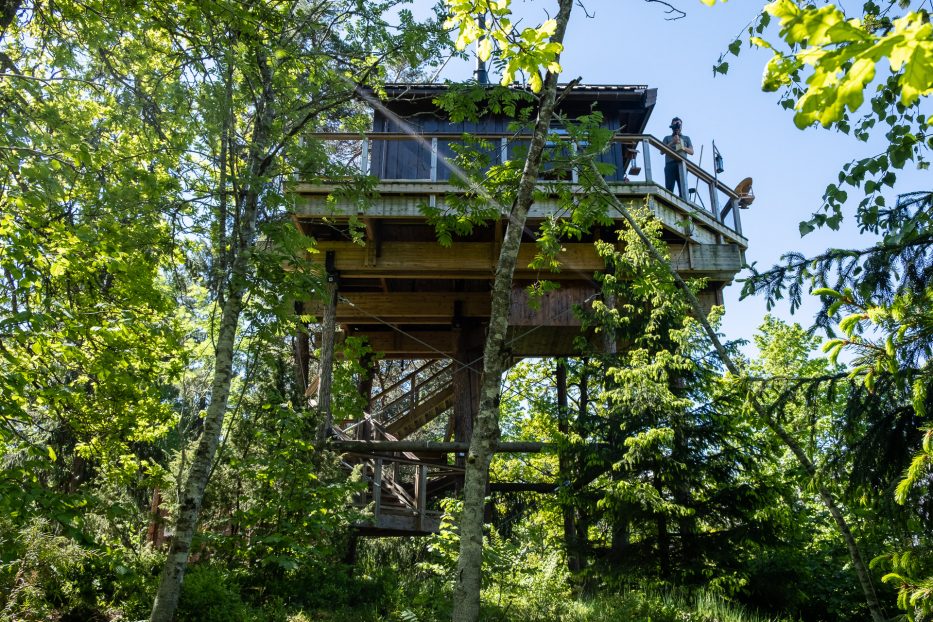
(683, 146)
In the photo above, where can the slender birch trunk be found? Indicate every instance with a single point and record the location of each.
(326, 371)
(166, 601)
(826, 496)
(495, 359)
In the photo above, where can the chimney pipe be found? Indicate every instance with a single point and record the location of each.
(481, 75)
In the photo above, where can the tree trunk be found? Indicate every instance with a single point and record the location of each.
(166, 600)
(664, 536)
(486, 431)
(365, 384)
(861, 568)
(326, 371)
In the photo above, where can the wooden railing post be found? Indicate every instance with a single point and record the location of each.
(646, 156)
(574, 175)
(433, 198)
(682, 173)
(736, 220)
(714, 200)
(364, 157)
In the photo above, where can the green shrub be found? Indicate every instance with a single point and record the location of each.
(41, 576)
(209, 595)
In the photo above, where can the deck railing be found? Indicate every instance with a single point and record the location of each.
(643, 157)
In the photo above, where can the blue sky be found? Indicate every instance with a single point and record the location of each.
(630, 42)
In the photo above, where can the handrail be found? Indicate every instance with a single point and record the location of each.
(403, 380)
(618, 138)
(427, 382)
(693, 168)
(432, 139)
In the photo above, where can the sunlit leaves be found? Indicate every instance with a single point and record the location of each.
(529, 51)
(842, 56)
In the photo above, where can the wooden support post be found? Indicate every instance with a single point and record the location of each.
(421, 493)
(467, 379)
(302, 351)
(377, 489)
(564, 471)
(328, 335)
(415, 391)
(736, 220)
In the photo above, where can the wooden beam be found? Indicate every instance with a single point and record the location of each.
(460, 260)
(474, 260)
(554, 308)
(409, 307)
(389, 524)
(415, 344)
(403, 198)
(368, 447)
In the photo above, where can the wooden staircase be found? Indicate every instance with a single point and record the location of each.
(402, 484)
(423, 413)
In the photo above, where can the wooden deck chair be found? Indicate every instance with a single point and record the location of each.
(744, 198)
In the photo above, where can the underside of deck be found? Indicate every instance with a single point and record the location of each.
(410, 296)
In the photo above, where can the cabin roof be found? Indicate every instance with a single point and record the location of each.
(624, 105)
(612, 92)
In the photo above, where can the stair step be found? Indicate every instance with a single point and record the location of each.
(423, 414)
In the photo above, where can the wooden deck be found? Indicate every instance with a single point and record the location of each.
(402, 200)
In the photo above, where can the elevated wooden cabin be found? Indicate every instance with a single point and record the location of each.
(413, 298)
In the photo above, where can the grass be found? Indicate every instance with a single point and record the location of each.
(629, 606)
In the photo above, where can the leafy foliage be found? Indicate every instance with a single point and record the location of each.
(527, 50)
(826, 65)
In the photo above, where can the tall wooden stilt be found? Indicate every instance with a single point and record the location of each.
(466, 381)
(564, 469)
(301, 352)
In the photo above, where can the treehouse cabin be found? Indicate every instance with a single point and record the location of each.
(415, 299)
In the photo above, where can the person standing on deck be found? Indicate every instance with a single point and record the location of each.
(683, 146)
